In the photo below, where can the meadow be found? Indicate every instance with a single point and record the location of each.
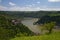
(52, 36)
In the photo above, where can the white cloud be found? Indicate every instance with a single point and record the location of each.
(12, 4)
(24, 8)
(31, 5)
(54, 0)
(38, 2)
(51, 9)
(27, 8)
(33, 9)
(2, 8)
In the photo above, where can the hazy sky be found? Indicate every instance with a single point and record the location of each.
(29, 5)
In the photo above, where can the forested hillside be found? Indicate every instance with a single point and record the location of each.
(47, 19)
(9, 30)
(36, 14)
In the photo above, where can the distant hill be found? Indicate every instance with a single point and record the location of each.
(48, 19)
(36, 14)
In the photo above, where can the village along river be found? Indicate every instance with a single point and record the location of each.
(29, 23)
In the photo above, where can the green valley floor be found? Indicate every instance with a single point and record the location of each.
(52, 36)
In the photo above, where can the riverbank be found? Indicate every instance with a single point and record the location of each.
(28, 22)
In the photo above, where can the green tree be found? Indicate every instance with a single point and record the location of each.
(48, 26)
(8, 30)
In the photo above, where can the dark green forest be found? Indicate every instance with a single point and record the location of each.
(8, 30)
(35, 14)
(47, 19)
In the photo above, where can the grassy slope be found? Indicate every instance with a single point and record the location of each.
(53, 36)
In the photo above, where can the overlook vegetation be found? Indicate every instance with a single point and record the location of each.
(48, 19)
(49, 22)
(53, 36)
(9, 31)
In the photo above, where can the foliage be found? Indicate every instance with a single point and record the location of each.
(48, 26)
(8, 30)
(37, 14)
(53, 36)
(47, 19)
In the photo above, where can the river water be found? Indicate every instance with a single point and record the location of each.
(29, 23)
